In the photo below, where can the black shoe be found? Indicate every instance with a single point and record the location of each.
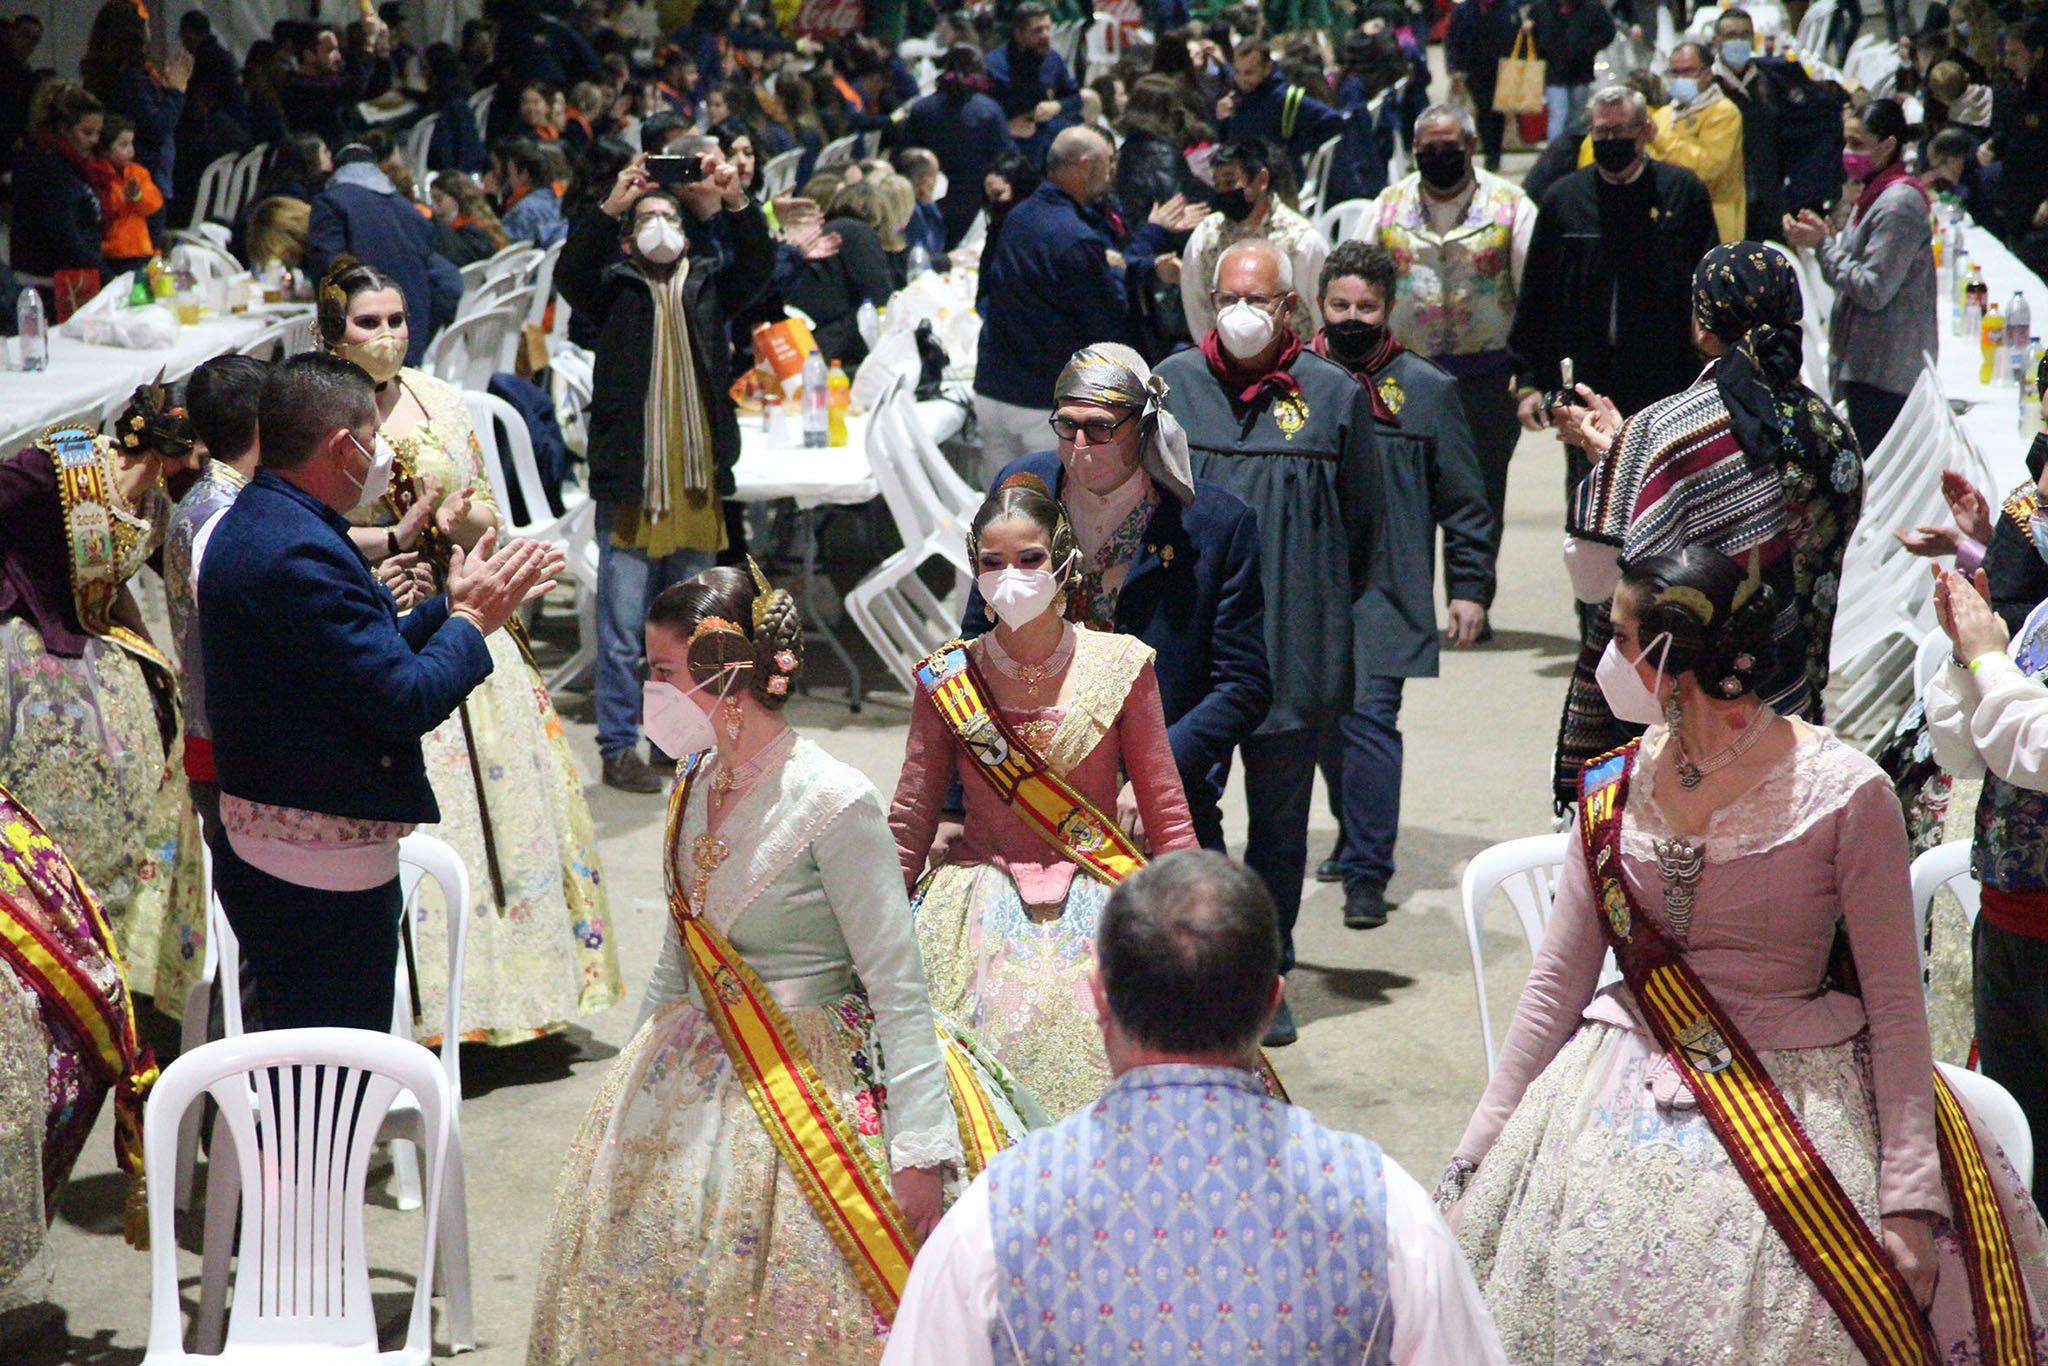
(1328, 871)
(628, 772)
(1281, 1032)
(1365, 907)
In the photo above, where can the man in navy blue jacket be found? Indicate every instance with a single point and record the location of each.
(1166, 557)
(1267, 105)
(1028, 79)
(318, 694)
(361, 212)
(1052, 281)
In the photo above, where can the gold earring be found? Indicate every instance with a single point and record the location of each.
(732, 717)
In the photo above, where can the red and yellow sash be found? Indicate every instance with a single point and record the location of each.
(845, 1186)
(1799, 1194)
(103, 1018)
(1042, 799)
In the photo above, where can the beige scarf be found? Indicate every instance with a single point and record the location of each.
(678, 433)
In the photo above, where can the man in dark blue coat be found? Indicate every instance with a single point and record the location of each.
(1267, 105)
(1165, 557)
(1028, 79)
(318, 695)
(964, 128)
(1049, 283)
(361, 212)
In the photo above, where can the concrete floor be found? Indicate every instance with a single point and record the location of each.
(1389, 1044)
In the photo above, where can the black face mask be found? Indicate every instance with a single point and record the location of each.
(1442, 168)
(1353, 340)
(1235, 205)
(1614, 155)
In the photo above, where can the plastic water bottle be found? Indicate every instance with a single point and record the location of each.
(34, 329)
(817, 417)
(2018, 327)
(920, 260)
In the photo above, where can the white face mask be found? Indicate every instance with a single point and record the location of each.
(382, 356)
(1245, 330)
(673, 720)
(377, 481)
(939, 187)
(1627, 696)
(659, 239)
(1018, 597)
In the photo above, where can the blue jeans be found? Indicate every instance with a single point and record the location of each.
(1361, 762)
(1279, 779)
(627, 585)
(1563, 103)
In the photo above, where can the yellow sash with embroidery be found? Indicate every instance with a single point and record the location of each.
(1800, 1196)
(104, 1019)
(1043, 800)
(846, 1188)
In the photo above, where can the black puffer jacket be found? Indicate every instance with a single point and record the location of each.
(1569, 43)
(601, 284)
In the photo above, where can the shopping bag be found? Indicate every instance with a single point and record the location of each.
(1518, 84)
(779, 351)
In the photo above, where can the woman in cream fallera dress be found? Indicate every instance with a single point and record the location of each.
(543, 954)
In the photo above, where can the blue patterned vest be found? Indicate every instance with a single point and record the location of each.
(1187, 1217)
(2010, 850)
(215, 488)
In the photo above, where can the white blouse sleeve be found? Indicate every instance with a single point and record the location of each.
(864, 884)
(1439, 1314)
(949, 1306)
(1993, 718)
(670, 980)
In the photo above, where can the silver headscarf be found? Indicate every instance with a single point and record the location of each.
(1115, 376)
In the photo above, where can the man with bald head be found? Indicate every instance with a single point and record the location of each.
(1290, 433)
(1054, 282)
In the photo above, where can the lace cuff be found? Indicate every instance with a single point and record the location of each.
(932, 1147)
(1452, 1185)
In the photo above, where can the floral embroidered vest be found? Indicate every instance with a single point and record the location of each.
(2009, 851)
(1183, 1217)
(1454, 294)
(215, 488)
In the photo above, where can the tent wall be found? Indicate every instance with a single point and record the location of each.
(238, 22)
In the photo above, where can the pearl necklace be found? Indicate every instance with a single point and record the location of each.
(1691, 774)
(1032, 675)
(744, 775)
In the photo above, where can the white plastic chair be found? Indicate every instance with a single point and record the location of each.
(1528, 870)
(2001, 1114)
(467, 351)
(542, 280)
(192, 1029)
(213, 185)
(417, 142)
(1341, 221)
(480, 102)
(896, 613)
(778, 176)
(1933, 653)
(838, 152)
(298, 1109)
(1945, 865)
(241, 191)
(1315, 177)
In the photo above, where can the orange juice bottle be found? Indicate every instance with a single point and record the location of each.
(838, 399)
(1990, 333)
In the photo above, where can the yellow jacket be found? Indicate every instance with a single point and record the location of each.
(1708, 142)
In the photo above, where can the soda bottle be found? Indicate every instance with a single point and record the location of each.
(34, 329)
(1990, 336)
(838, 401)
(817, 422)
(2019, 320)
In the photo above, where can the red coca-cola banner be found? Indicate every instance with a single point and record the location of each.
(829, 18)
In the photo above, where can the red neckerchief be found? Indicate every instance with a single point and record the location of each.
(1277, 378)
(1376, 362)
(1882, 181)
(93, 171)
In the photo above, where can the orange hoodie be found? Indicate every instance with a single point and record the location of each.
(125, 210)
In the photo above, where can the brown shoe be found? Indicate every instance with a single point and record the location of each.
(628, 772)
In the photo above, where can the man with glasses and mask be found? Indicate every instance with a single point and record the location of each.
(1608, 283)
(1165, 557)
(1290, 433)
(318, 695)
(1428, 479)
(663, 434)
(1246, 207)
(1701, 130)
(1459, 236)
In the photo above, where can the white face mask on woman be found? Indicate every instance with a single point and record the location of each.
(1018, 597)
(673, 719)
(1245, 329)
(1628, 697)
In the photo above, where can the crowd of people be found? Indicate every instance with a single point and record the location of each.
(1230, 465)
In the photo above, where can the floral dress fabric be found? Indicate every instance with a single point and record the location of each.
(543, 955)
(49, 1097)
(679, 1236)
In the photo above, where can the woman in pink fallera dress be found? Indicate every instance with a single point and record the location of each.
(1599, 1208)
(1006, 922)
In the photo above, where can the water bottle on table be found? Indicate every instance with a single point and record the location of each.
(2019, 325)
(817, 421)
(920, 260)
(34, 329)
